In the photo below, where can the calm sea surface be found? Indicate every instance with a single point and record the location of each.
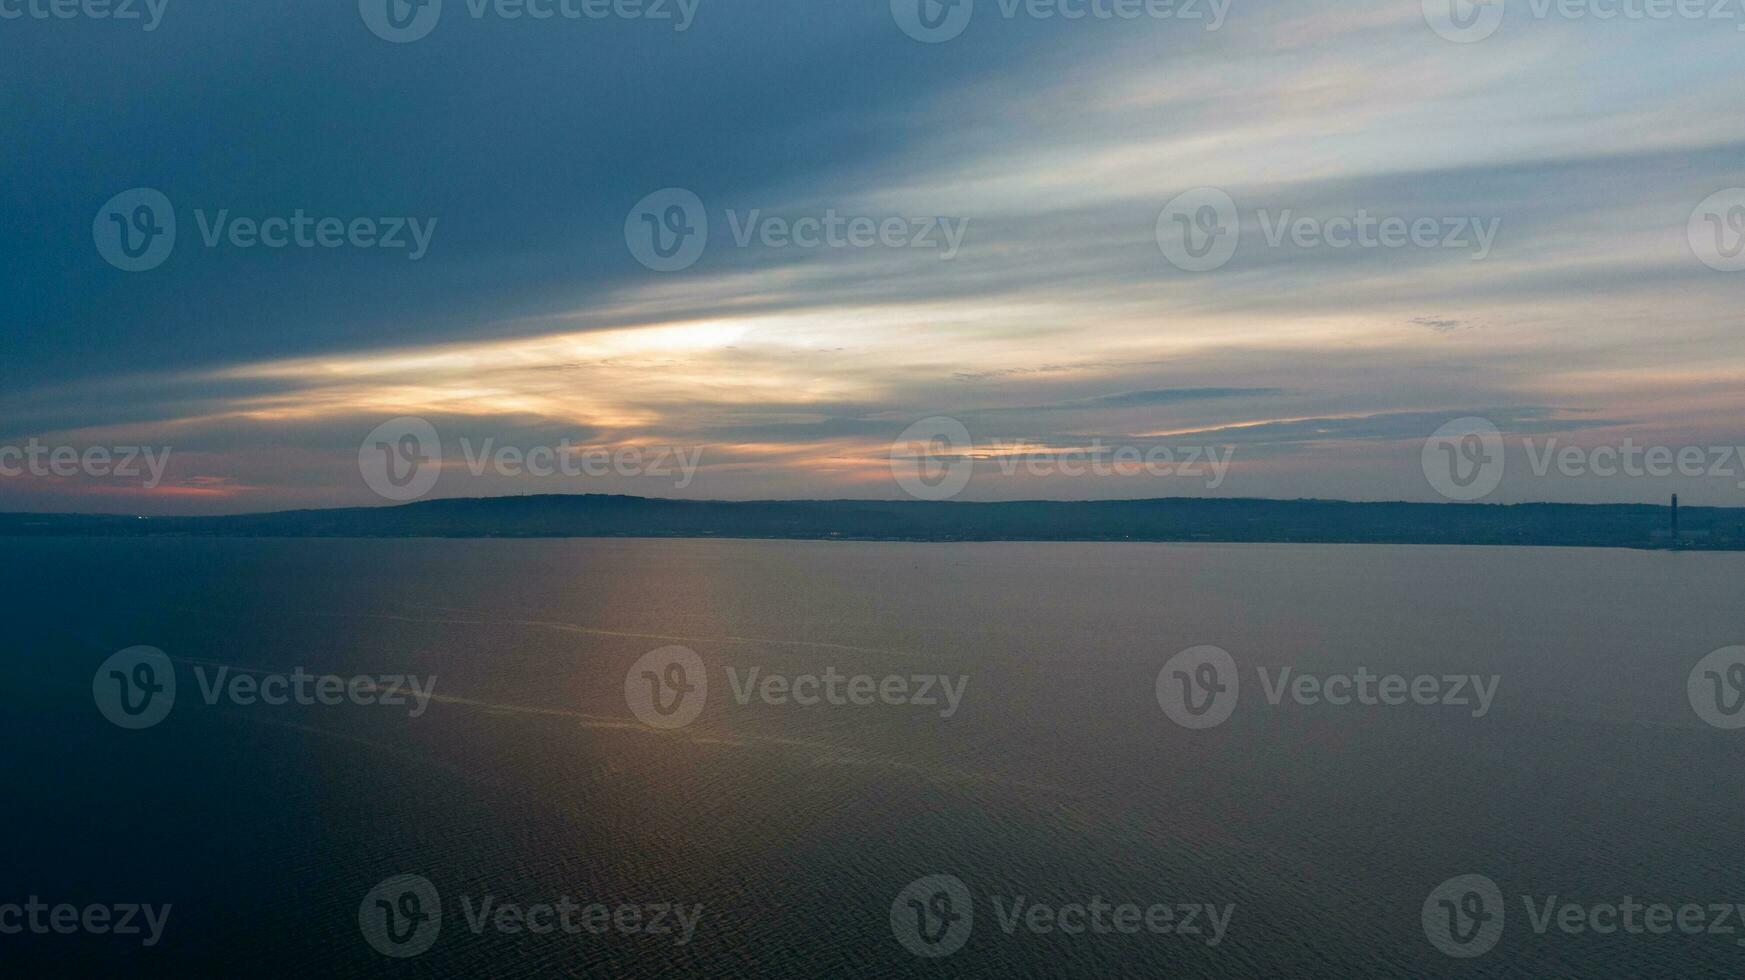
(1319, 829)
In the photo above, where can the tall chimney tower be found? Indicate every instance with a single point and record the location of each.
(1675, 520)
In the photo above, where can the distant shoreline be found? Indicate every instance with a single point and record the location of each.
(1174, 519)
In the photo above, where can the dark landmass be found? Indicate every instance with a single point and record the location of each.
(1168, 519)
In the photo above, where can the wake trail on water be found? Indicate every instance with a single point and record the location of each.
(824, 752)
(561, 627)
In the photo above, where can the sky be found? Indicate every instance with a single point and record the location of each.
(1034, 245)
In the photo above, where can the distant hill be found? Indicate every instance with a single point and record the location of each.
(1168, 519)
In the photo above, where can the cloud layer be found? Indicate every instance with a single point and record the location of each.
(1057, 322)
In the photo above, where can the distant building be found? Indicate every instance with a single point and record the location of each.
(1674, 535)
